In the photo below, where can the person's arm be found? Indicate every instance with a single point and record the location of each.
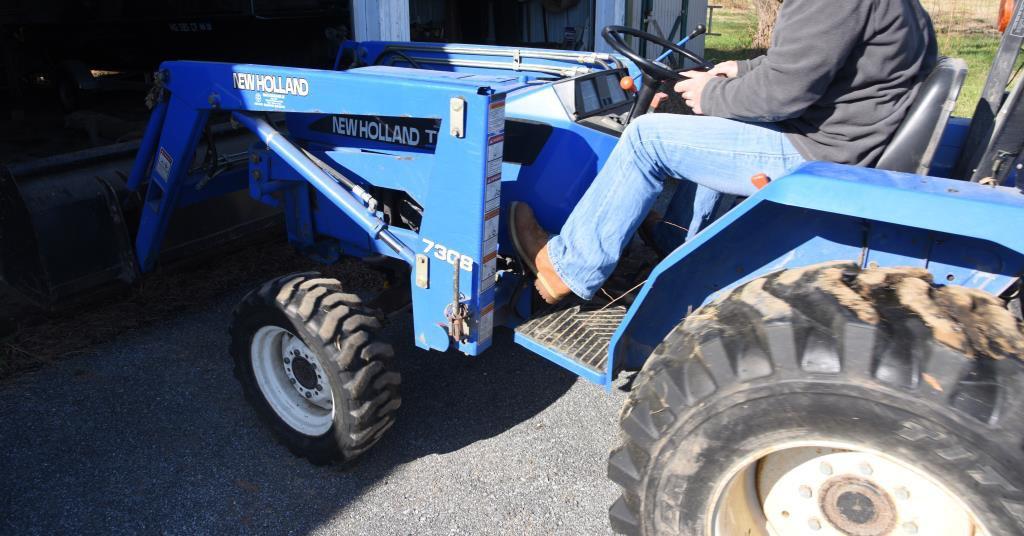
(745, 66)
(813, 39)
(733, 68)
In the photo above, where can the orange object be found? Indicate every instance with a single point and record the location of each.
(1005, 13)
(760, 180)
(628, 84)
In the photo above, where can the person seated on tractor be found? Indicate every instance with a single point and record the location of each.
(835, 85)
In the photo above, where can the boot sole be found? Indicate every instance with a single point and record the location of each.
(513, 208)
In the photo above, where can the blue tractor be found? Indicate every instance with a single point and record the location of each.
(837, 354)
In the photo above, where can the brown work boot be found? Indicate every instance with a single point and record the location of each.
(549, 284)
(530, 241)
(527, 235)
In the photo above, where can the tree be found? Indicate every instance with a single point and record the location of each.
(767, 12)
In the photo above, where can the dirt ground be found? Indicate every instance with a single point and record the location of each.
(38, 340)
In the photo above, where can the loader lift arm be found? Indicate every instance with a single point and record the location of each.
(324, 184)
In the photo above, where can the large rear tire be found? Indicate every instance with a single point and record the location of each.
(310, 361)
(829, 400)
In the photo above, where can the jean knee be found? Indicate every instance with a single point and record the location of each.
(638, 134)
(641, 127)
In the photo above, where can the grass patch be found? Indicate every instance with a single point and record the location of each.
(978, 50)
(737, 30)
(970, 39)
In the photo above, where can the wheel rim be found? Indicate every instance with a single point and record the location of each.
(293, 381)
(831, 489)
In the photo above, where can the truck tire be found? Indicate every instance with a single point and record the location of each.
(310, 361)
(829, 400)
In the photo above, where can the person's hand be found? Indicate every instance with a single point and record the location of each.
(658, 99)
(691, 89)
(728, 69)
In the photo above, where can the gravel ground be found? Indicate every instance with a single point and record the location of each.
(149, 433)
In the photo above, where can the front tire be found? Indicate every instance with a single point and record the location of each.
(829, 400)
(311, 362)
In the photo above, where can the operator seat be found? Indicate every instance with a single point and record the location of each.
(916, 140)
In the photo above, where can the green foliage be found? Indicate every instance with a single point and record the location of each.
(978, 49)
(737, 28)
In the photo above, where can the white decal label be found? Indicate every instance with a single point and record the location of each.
(163, 164)
(496, 117)
(275, 85)
(452, 257)
(495, 152)
(486, 326)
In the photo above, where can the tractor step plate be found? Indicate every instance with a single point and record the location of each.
(579, 332)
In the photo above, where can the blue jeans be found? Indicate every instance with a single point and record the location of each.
(718, 154)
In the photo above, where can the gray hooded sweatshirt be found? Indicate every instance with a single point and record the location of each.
(839, 77)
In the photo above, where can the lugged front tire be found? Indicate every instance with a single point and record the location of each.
(829, 398)
(311, 362)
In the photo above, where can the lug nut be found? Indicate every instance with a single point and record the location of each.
(902, 494)
(287, 361)
(910, 527)
(319, 387)
(826, 468)
(292, 380)
(805, 492)
(309, 395)
(814, 524)
(866, 469)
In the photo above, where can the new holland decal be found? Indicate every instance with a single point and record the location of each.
(417, 132)
(266, 83)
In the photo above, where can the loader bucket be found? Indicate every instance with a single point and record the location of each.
(68, 222)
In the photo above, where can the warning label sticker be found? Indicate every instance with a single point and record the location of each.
(496, 117)
(163, 164)
(495, 154)
(492, 210)
(490, 226)
(487, 270)
(491, 196)
(486, 326)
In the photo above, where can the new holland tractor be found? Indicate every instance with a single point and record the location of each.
(837, 354)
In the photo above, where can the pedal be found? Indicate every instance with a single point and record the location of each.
(580, 332)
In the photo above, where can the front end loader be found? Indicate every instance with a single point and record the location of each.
(839, 353)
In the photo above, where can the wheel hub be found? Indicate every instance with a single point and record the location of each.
(844, 493)
(856, 506)
(304, 373)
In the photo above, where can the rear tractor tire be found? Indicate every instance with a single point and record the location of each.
(310, 361)
(829, 401)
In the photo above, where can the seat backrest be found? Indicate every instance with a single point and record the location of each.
(916, 140)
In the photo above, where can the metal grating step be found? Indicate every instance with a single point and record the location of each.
(580, 332)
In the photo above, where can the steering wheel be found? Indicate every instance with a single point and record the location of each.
(654, 72)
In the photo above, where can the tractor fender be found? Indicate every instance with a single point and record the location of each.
(965, 234)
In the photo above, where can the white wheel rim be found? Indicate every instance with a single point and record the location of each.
(835, 490)
(293, 381)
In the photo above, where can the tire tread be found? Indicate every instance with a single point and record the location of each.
(820, 314)
(346, 332)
